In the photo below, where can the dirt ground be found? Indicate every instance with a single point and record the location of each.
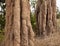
(53, 40)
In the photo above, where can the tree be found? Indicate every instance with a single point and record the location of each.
(2, 1)
(58, 13)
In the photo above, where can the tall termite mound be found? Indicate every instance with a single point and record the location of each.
(18, 28)
(46, 17)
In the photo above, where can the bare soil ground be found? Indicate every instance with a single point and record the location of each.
(52, 40)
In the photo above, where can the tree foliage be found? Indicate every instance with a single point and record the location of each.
(33, 20)
(3, 1)
(58, 13)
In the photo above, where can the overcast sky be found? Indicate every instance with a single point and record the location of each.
(58, 4)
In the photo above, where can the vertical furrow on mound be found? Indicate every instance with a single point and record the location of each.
(16, 23)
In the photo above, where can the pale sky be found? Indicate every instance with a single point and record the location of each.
(58, 4)
(0, 8)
